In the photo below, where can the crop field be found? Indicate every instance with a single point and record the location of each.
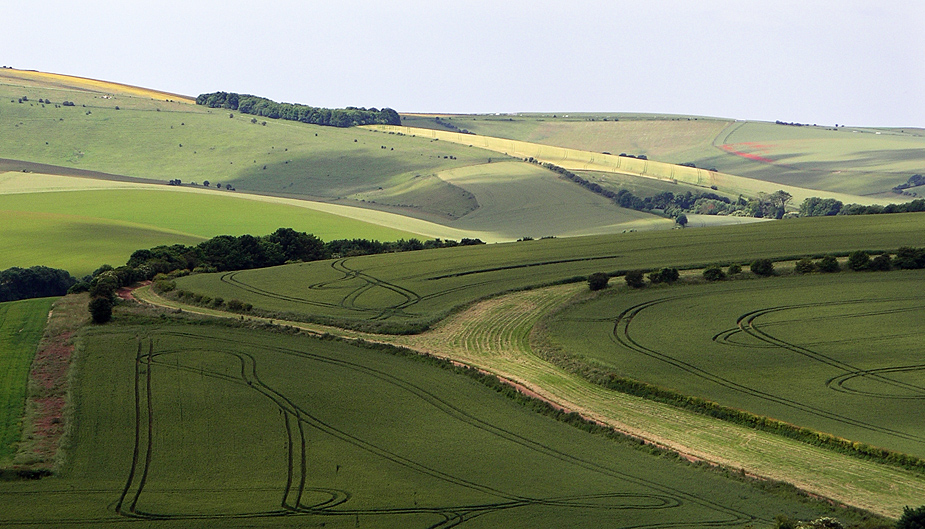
(21, 326)
(418, 287)
(851, 160)
(581, 160)
(198, 426)
(837, 353)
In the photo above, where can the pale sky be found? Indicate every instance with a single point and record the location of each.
(842, 61)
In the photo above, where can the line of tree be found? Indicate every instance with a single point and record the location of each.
(333, 117)
(822, 207)
(766, 205)
(34, 282)
(227, 252)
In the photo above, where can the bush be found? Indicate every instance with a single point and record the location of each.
(858, 261)
(828, 264)
(881, 263)
(912, 518)
(635, 278)
(100, 309)
(762, 267)
(714, 273)
(598, 281)
(804, 266)
(734, 269)
(665, 275)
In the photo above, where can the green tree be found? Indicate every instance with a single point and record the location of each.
(762, 267)
(598, 281)
(881, 263)
(635, 278)
(714, 273)
(804, 266)
(912, 518)
(100, 309)
(828, 264)
(858, 260)
(681, 220)
(734, 269)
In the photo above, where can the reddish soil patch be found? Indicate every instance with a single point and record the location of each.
(734, 148)
(126, 292)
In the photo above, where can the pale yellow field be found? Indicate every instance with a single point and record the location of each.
(91, 85)
(579, 160)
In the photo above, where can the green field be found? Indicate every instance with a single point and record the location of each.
(183, 426)
(416, 287)
(838, 353)
(850, 160)
(21, 326)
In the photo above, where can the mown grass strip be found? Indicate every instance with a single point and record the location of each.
(21, 326)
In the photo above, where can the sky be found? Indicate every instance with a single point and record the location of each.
(856, 63)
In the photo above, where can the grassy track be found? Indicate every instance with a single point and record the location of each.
(301, 431)
(21, 326)
(838, 353)
(410, 288)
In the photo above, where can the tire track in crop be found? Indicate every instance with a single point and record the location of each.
(622, 335)
(665, 496)
(747, 322)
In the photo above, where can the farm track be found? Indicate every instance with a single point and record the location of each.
(298, 418)
(493, 335)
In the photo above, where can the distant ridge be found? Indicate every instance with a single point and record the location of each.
(89, 85)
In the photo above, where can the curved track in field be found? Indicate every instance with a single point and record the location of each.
(298, 421)
(494, 335)
(624, 333)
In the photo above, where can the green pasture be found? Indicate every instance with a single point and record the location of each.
(391, 291)
(838, 353)
(675, 139)
(187, 143)
(21, 327)
(517, 199)
(182, 426)
(583, 160)
(849, 160)
(860, 161)
(76, 244)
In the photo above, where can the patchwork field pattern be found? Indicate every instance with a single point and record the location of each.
(420, 287)
(836, 353)
(194, 426)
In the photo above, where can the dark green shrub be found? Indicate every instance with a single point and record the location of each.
(635, 278)
(762, 267)
(665, 275)
(235, 305)
(100, 309)
(804, 266)
(714, 273)
(734, 269)
(598, 281)
(881, 263)
(912, 518)
(828, 264)
(858, 260)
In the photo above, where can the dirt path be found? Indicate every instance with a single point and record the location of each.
(494, 336)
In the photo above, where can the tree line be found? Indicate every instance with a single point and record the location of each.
(333, 117)
(766, 205)
(822, 207)
(226, 252)
(35, 282)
